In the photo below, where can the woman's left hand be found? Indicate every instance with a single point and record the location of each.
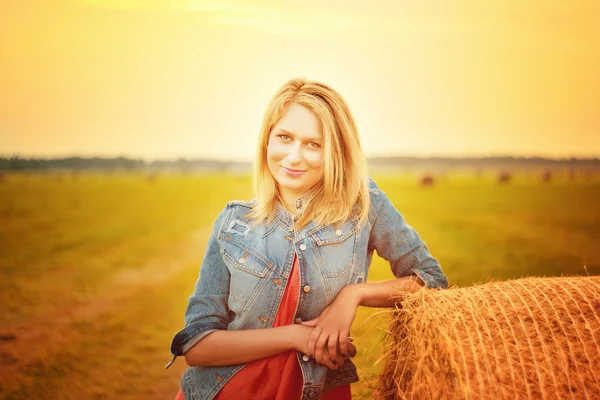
(332, 327)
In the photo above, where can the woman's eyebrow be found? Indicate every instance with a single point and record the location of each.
(311, 139)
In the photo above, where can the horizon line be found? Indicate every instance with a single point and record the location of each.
(372, 156)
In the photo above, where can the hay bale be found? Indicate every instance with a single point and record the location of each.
(427, 181)
(546, 176)
(526, 338)
(152, 176)
(504, 177)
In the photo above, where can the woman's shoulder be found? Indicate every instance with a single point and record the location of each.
(373, 188)
(234, 210)
(375, 194)
(237, 209)
(241, 204)
(378, 199)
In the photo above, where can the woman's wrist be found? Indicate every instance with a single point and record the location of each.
(297, 337)
(353, 293)
(291, 334)
(381, 294)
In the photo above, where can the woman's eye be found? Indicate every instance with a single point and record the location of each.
(285, 138)
(314, 145)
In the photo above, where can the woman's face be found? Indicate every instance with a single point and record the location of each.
(295, 150)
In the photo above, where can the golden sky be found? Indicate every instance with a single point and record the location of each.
(191, 78)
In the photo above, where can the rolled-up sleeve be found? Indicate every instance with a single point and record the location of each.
(399, 243)
(207, 309)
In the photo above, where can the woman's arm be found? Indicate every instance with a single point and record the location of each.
(223, 347)
(398, 243)
(382, 294)
(339, 315)
(207, 309)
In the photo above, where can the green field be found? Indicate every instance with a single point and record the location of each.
(95, 269)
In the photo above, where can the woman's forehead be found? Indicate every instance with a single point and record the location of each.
(299, 121)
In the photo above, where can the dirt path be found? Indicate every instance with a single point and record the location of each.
(26, 346)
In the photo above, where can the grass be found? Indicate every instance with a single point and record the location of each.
(95, 269)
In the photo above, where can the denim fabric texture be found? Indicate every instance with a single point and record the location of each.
(245, 270)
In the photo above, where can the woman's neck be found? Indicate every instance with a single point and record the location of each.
(290, 200)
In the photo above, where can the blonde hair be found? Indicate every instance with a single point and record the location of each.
(343, 193)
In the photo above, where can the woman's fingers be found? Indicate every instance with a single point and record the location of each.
(328, 360)
(315, 321)
(312, 322)
(319, 354)
(312, 341)
(325, 357)
(332, 346)
(344, 344)
(351, 349)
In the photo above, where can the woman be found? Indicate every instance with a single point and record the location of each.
(283, 275)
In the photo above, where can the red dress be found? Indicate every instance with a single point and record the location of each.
(275, 377)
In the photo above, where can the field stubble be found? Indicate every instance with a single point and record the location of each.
(96, 271)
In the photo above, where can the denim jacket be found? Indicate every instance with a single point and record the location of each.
(245, 270)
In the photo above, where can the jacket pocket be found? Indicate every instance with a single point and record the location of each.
(248, 270)
(238, 255)
(335, 252)
(329, 234)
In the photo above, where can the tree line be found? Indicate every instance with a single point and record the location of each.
(16, 163)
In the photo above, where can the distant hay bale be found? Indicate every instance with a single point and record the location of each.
(546, 175)
(152, 176)
(504, 177)
(536, 338)
(427, 180)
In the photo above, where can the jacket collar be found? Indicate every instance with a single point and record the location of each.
(301, 202)
(286, 217)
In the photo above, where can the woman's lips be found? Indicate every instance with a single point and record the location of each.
(293, 172)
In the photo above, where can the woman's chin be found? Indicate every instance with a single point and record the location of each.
(294, 184)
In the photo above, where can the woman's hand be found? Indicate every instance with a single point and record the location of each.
(332, 328)
(300, 337)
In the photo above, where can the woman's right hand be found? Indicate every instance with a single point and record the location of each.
(300, 336)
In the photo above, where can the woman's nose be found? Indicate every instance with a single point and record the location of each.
(295, 154)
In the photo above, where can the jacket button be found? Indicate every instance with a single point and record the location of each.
(338, 232)
(302, 246)
(242, 260)
(305, 358)
(298, 320)
(306, 289)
